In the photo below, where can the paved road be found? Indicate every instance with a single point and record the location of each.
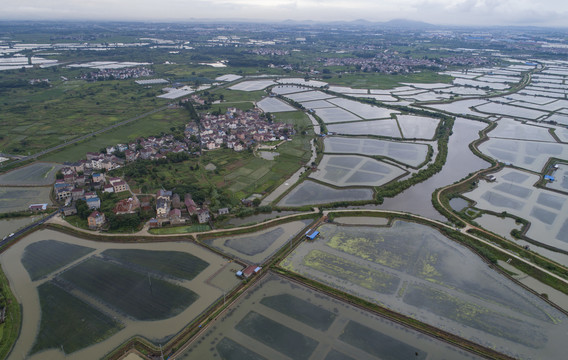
(20, 232)
(81, 138)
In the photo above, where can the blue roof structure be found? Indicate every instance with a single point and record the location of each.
(312, 235)
(548, 177)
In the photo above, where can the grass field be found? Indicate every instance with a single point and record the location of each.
(19, 198)
(10, 329)
(38, 118)
(384, 81)
(83, 326)
(148, 126)
(180, 229)
(133, 293)
(44, 257)
(164, 263)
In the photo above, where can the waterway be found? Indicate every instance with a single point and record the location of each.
(460, 162)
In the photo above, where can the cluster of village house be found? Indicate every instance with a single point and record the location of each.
(119, 74)
(236, 128)
(74, 187)
(239, 129)
(394, 63)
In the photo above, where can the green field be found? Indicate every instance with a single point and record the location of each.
(136, 294)
(10, 329)
(36, 174)
(384, 81)
(148, 126)
(69, 323)
(20, 198)
(44, 257)
(165, 263)
(38, 118)
(180, 229)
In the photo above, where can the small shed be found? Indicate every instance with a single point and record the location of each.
(311, 234)
(549, 178)
(248, 271)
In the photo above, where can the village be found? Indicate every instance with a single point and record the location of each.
(85, 190)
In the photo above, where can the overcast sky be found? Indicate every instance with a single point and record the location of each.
(451, 12)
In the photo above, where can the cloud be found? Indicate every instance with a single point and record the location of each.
(458, 12)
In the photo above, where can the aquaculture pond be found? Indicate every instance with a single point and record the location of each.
(417, 127)
(530, 155)
(120, 290)
(386, 127)
(415, 270)
(312, 193)
(257, 247)
(513, 192)
(352, 170)
(412, 154)
(280, 319)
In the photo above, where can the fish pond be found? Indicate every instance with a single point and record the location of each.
(416, 271)
(81, 299)
(280, 319)
(312, 193)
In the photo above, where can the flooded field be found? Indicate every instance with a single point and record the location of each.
(510, 110)
(312, 193)
(364, 111)
(415, 270)
(288, 89)
(412, 154)
(511, 129)
(252, 85)
(274, 105)
(257, 247)
(461, 107)
(513, 192)
(387, 127)
(152, 290)
(458, 204)
(20, 198)
(560, 178)
(417, 127)
(280, 319)
(498, 225)
(36, 174)
(528, 155)
(334, 114)
(308, 96)
(352, 170)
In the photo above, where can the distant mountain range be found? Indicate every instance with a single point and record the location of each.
(391, 24)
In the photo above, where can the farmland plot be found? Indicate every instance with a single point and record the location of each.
(511, 129)
(273, 105)
(20, 198)
(415, 270)
(365, 111)
(36, 174)
(252, 85)
(279, 319)
(335, 114)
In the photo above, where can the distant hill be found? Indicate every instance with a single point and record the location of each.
(407, 24)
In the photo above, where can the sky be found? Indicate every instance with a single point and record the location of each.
(442, 12)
